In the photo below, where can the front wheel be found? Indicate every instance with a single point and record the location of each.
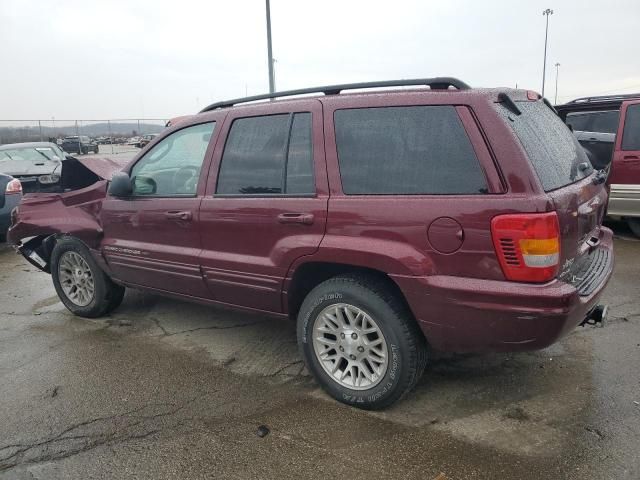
(360, 342)
(82, 286)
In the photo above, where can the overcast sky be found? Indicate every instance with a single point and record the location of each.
(115, 59)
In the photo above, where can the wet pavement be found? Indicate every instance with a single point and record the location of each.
(165, 389)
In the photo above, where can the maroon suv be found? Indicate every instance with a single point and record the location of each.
(382, 222)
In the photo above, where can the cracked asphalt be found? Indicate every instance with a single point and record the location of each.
(164, 389)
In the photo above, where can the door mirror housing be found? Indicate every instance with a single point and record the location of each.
(120, 185)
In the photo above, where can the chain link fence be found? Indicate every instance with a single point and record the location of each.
(120, 135)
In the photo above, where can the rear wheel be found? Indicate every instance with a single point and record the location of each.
(360, 341)
(82, 286)
(634, 225)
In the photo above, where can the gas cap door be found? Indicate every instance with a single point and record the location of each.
(445, 235)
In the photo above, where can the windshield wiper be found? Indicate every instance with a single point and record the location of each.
(43, 154)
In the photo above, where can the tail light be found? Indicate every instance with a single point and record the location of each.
(14, 186)
(528, 245)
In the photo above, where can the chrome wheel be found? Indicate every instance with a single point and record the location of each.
(350, 346)
(76, 279)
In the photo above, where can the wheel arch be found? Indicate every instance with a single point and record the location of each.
(43, 245)
(307, 275)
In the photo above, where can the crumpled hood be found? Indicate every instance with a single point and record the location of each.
(103, 167)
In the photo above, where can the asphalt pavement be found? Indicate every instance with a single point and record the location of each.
(165, 389)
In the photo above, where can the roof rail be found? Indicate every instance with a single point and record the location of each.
(437, 83)
(605, 98)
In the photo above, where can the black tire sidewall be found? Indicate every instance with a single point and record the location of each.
(397, 377)
(102, 294)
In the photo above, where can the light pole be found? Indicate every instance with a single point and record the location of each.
(555, 102)
(546, 13)
(269, 51)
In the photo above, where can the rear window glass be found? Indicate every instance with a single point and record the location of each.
(556, 155)
(406, 150)
(631, 135)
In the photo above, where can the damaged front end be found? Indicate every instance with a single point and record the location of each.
(74, 210)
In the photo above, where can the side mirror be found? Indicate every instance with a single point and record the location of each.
(120, 185)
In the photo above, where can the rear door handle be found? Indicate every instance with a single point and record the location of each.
(185, 216)
(304, 218)
(630, 157)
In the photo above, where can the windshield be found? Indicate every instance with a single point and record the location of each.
(31, 154)
(556, 155)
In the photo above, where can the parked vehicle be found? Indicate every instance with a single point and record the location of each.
(37, 165)
(79, 144)
(146, 139)
(608, 127)
(10, 196)
(134, 142)
(382, 222)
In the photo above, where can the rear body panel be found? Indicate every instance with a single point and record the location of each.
(486, 315)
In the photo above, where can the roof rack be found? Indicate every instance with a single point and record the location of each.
(605, 98)
(437, 83)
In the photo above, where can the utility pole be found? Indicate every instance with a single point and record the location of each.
(546, 13)
(555, 102)
(269, 50)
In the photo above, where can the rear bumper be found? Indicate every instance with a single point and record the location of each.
(474, 315)
(624, 200)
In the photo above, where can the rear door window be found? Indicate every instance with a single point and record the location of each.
(554, 151)
(631, 133)
(406, 150)
(269, 155)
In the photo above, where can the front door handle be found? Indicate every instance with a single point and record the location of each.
(304, 218)
(630, 157)
(185, 216)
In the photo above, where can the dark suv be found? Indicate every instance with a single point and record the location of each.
(79, 144)
(608, 127)
(381, 222)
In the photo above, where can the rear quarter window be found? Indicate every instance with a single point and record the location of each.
(406, 150)
(551, 147)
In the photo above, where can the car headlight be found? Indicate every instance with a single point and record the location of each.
(48, 179)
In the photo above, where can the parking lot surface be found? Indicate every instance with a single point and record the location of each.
(165, 389)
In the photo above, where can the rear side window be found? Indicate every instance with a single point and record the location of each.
(600, 122)
(406, 150)
(268, 155)
(579, 121)
(556, 155)
(631, 135)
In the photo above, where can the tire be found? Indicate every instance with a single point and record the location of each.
(364, 296)
(105, 295)
(634, 225)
